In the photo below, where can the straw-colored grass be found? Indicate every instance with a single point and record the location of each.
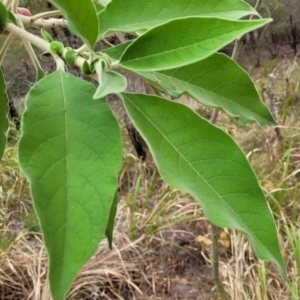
(157, 253)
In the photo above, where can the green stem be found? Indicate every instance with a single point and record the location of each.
(82, 49)
(33, 39)
(239, 42)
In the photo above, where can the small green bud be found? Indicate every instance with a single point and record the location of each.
(57, 47)
(86, 68)
(70, 57)
(46, 36)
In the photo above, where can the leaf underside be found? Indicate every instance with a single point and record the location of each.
(195, 156)
(216, 81)
(70, 151)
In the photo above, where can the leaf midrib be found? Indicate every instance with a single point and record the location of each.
(65, 112)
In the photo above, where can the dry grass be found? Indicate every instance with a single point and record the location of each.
(155, 254)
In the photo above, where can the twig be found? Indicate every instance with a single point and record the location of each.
(42, 23)
(214, 116)
(5, 46)
(31, 52)
(31, 38)
(215, 261)
(46, 14)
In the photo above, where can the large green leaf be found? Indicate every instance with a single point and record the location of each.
(216, 81)
(3, 114)
(132, 15)
(82, 18)
(71, 153)
(195, 156)
(192, 39)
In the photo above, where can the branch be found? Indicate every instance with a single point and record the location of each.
(46, 14)
(42, 23)
(42, 44)
(33, 39)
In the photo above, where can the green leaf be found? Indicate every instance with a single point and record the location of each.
(110, 224)
(46, 36)
(195, 156)
(12, 18)
(3, 17)
(71, 153)
(157, 49)
(3, 114)
(116, 51)
(132, 15)
(109, 82)
(231, 88)
(57, 48)
(82, 18)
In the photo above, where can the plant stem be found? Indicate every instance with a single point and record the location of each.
(120, 37)
(82, 49)
(5, 46)
(215, 261)
(31, 38)
(215, 239)
(42, 45)
(14, 6)
(214, 116)
(31, 52)
(7, 3)
(42, 23)
(46, 14)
